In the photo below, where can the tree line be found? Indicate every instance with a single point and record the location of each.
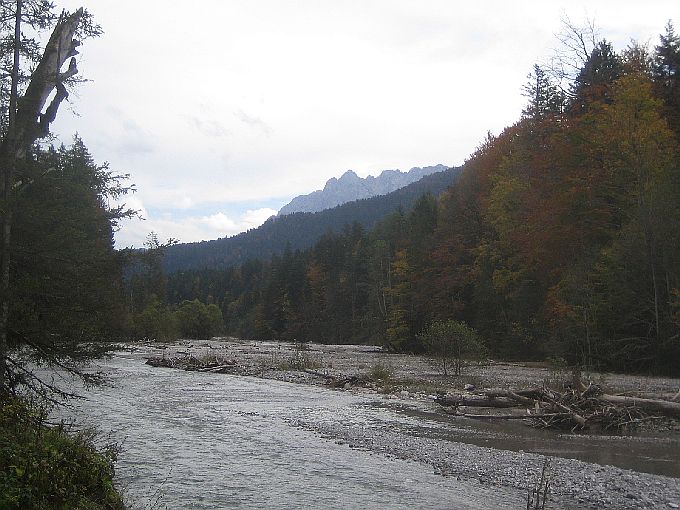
(561, 237)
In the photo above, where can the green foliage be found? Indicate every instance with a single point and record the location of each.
(196, 320)
(156, 322)
(44, 467)
(452, 343)
(66, 285)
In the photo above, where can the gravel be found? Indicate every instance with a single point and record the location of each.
(575, 484)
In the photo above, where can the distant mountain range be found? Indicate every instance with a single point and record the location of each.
(302, 229)
(351, 187)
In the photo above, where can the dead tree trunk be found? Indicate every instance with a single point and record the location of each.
(27, 123)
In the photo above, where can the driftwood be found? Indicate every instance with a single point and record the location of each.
(663, 407)
(192, 364)
(580, 408)
(317, 373)
(218, 369)
(508, 416)
(672, 397)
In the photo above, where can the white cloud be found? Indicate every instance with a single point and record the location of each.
(187, 229)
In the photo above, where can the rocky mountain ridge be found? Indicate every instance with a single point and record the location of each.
(350, 187)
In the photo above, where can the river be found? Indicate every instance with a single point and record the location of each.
(211, 441)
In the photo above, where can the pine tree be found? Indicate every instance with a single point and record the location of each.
(66, 291)
(666, 70)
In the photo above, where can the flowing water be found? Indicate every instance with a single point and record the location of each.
(210, 441)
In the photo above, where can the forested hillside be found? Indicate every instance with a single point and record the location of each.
(300, 230)
(561, 237)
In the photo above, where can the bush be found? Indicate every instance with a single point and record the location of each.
(452, 343)
(380, 372)
(45, 467)
(156, 322)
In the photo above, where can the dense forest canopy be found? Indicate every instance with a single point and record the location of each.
(560, 238)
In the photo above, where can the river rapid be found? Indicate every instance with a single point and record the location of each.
(211, 441)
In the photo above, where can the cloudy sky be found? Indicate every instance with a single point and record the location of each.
(223, 110)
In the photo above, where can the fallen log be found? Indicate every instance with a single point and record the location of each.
(337, 380)
(671, 397)
(577, 407)
(218, 368)
(665, 407)
(510, 395)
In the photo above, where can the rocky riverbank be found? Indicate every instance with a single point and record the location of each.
(412, 381)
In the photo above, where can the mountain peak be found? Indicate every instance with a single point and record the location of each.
(350, 187)
(349, 174)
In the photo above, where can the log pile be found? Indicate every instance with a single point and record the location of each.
(575, 408)
(194, 364)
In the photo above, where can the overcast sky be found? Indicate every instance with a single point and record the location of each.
(222, 111)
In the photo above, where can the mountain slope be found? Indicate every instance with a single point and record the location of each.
(350, 187)
(300, 230)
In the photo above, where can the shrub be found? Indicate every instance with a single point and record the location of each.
(452, 343)
(46, 467)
